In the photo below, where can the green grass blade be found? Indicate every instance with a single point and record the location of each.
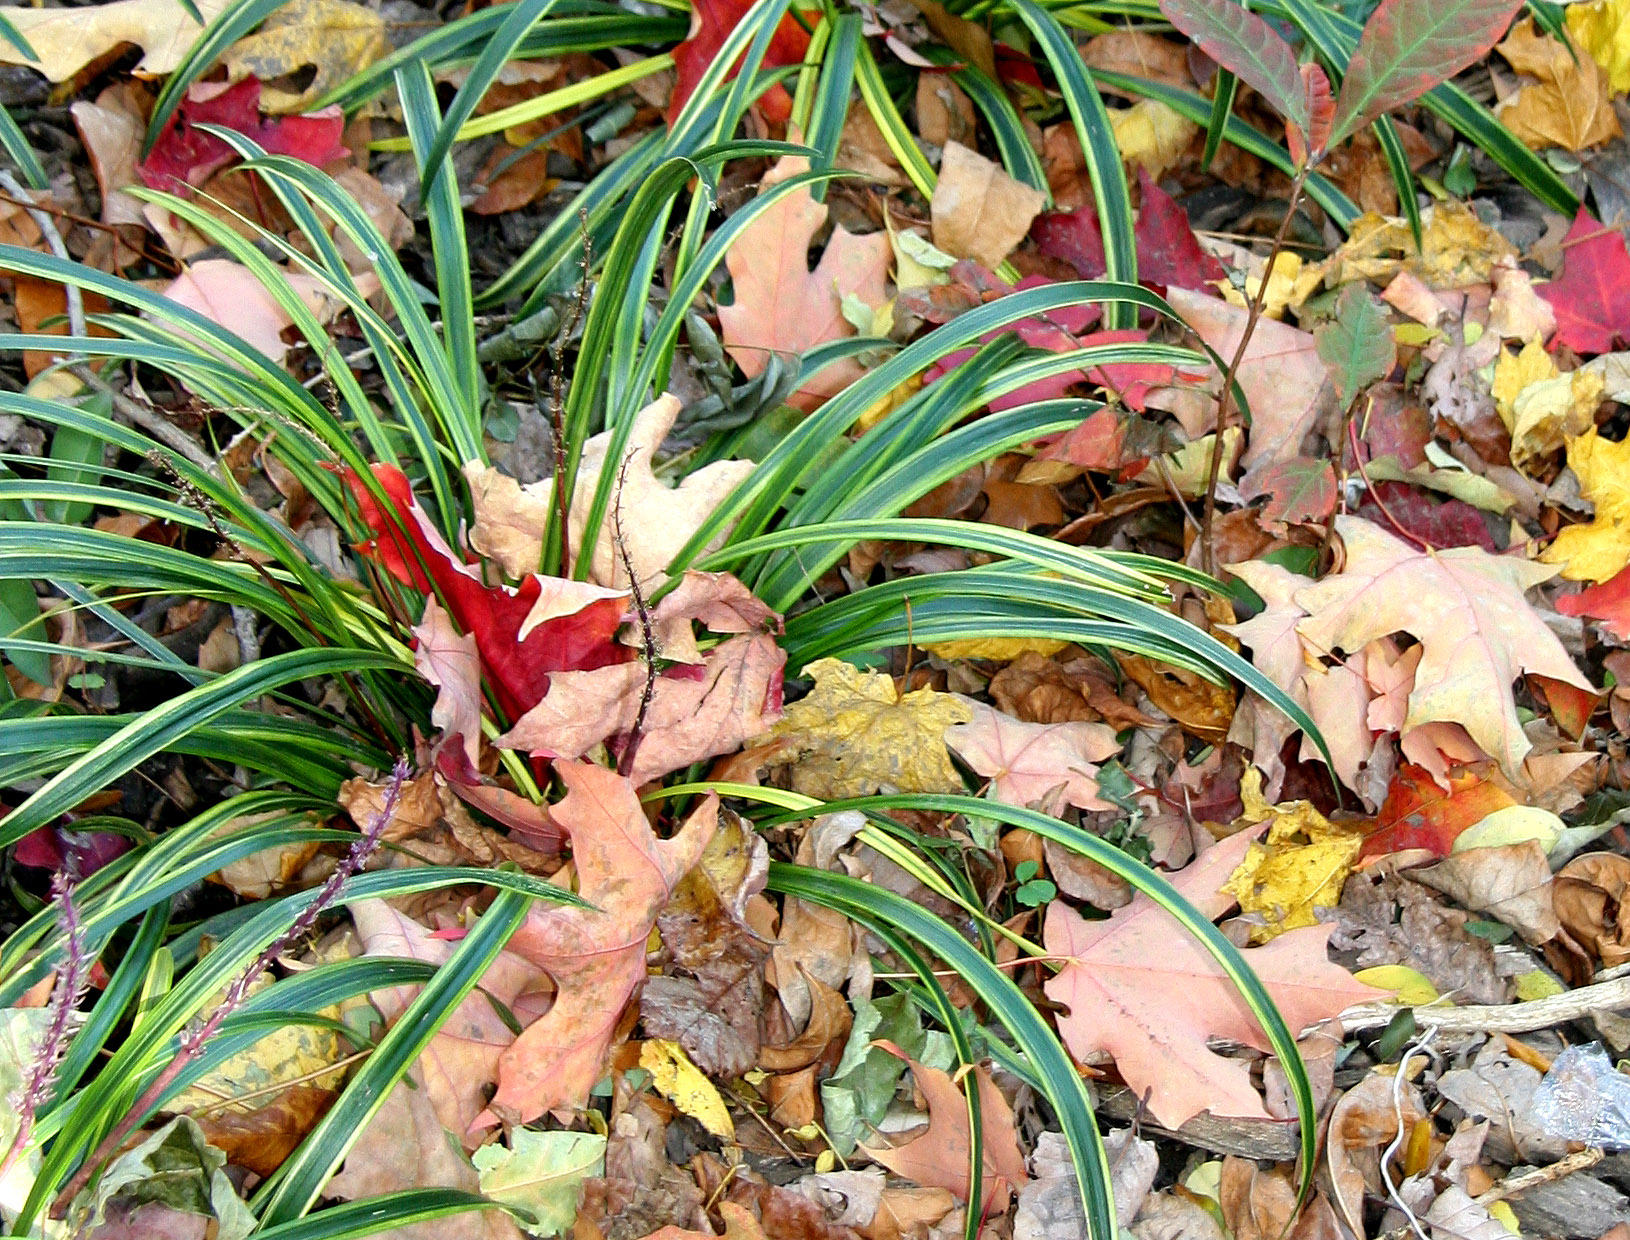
(447, 243)
(1403, 177)
(154, 731)
(892, 125)
(16, 145)
(1104, 167)
(300, 1179)
(15, 37)
(519, 18)
(1222, 107)
(373, 1215)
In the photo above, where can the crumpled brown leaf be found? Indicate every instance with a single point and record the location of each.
(1592, 898)
(1571, 105)
(1511, 883)
(978, 210)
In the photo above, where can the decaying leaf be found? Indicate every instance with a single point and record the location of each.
(783, 308)
(1144, 990)
(333, 39)
(854, 735)
(1569, 106)
(543, 1173)
(682, 1083)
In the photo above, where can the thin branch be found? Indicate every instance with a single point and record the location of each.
(1544, 1013)
(53, 239)
(625, 764)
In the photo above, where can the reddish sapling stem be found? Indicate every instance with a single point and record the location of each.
(1225, 400)
(194, 1040)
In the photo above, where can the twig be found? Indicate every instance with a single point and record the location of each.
(193, 1040)
(1516, 1184)
(48, 230)
(1225, 399)
(1500, 1017)
(1421, 1045)
(625, 764)
(148, 418)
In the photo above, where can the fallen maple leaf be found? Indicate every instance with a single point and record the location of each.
(1168, 252)
(782, 307)
(692, 713)
(710, 23)
(595, 954)
(658, 519)
(1142, 988)
(1592, 297)
(1419, 812)
(185, 156)
(1467, 610)
(1047, 765)
(1282, 376)
(939, 1156)
(228, 293)
(461, 1061)
(1608, 602)
(854, 735)
(1601, 549)
(524, 632)
(1570, 105)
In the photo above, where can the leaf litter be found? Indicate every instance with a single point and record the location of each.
(1431, 472)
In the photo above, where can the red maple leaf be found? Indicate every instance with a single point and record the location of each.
(1608, 602)
(1168, 252)
(710, 23)
(185, 156)
(1418, 813)
(1592, 296)
(407, 546)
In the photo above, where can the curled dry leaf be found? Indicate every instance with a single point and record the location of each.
(1510, 883)
(1592, 898)
(1364, 1120)
(978, 210)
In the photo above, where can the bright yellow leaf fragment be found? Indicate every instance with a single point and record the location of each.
(1603, 30)
(1300, 866)
(1599, 550)
(331, 39)
(1286, 287)
(1152, 134)
(1542, 407)
(855, 735)
(681, 1082)
(1411, 988)
(1000, 649)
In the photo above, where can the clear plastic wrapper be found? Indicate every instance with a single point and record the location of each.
(1583, 1098)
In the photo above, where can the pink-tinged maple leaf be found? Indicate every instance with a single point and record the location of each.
(938, 1156)
(781, 306)
(1143, 989)
(1168, 251)
(1300, 489)
(185, 156)
(462, 1058)
(1592, 297)
(1098, 443)
(1047, 765)
(596, 955)
(1608, 602)
(710, 23)
(695, 713)
(524, 632)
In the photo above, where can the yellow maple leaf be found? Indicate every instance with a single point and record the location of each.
(854, 735)
(1599, 550)
(1570, 104)
(1541, 406)
(1603, 30)
(1300, 866)
(682, 1083)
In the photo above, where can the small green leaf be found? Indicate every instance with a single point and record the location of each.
(541, 1173)
(1035, 893)
(1249, 48)
(20, 617)
(1357, 344)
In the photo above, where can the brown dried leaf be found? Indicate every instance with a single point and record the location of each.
(978, 211)
(1592, 898)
